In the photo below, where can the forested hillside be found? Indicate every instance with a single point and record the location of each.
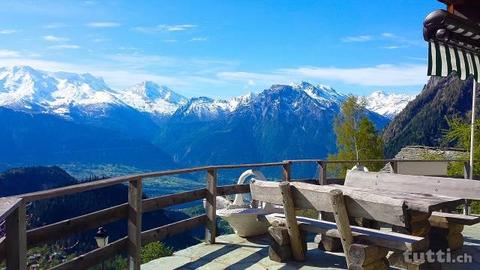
(424, 120)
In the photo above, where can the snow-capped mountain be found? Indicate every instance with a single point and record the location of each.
(388, 105)
(322, 93)
(24, 88)
(205, 108)
(152, 98)
(27, 89)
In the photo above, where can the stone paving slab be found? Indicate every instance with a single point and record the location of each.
(234, 252)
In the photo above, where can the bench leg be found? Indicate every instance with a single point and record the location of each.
(365, 257)
(444, 238)
(325, 242)
(418, 226)
(279, 249)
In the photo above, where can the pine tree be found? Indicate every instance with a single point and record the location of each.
(357, 138)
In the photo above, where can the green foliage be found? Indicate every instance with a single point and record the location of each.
(475, 208)
(116, 263)
(154, 251)
(458, 134)
(310, 213)
(357, 138)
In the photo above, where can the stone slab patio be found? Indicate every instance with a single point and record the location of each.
(234, 252)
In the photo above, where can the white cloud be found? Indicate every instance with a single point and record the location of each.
(164, 27)
(178, 27)
(388, 35)
(8, 53)
(99, 40)
(392, 47)
(54, 25)
(380, 75)
(362, 38)
(103, 24)
(64, 46)
(55, 38)
(198, 39)
(7, 31)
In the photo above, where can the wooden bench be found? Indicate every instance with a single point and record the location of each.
(364, 248)
(446, 227)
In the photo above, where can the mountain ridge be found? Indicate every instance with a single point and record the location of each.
(63, 93)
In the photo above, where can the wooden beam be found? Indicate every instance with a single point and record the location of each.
(390, 240)
(134, 223)
(233, 189)
(88, 221)
(65, 228)
(296, 242)
(443, 219)
(15, 239)
(211, 207)
(452, 187)
(160, 202)
(162, 232)
(341, 219)
(359, 204)
(8, 205)
(360, 254)
(95, 256)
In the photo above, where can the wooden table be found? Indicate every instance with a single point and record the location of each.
(419, 209)
(420, 202)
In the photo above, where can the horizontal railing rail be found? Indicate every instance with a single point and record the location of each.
(136, 206)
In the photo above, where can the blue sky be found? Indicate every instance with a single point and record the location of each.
(224, 48)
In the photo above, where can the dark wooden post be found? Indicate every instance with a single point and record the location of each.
(16, 238)
(211, 207)
(322, 172)
(134, 223)
(286, 171)
(296, 242)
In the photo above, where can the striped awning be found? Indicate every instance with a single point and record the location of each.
(443, 59)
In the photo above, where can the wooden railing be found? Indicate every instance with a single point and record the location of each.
(14, 246)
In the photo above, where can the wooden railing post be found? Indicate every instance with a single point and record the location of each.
(286, 171)
(16, 238)
(211, 207)
(134, 223)
(322, 173)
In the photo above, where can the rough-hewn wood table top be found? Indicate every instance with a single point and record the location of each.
(7, 205)
(422, 202)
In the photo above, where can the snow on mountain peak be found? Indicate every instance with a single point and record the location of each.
(388, 105)
(23, 87)
(322, 93)
(150, 97)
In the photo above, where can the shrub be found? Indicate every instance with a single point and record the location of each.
(154, 251)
